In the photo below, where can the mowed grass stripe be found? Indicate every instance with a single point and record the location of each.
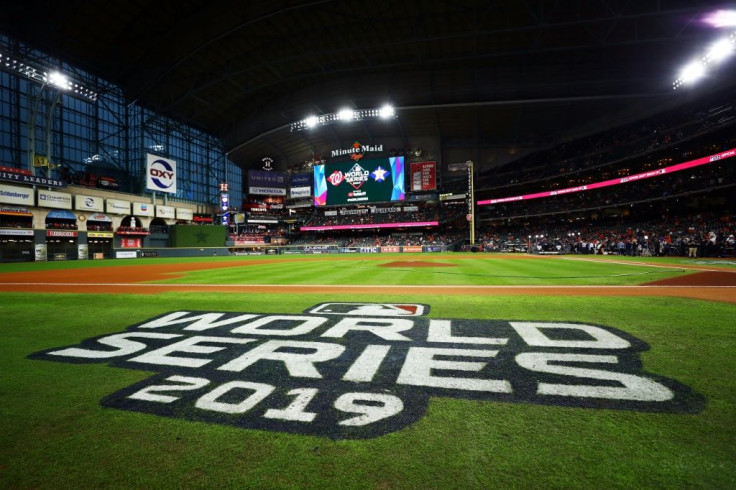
(478, 270)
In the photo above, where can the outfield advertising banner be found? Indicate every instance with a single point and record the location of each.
(300, 180)
(89, 203)
(165, 211)
(377, 180)
(13, 232)
(116, 206)
(160, 174)
(423, 176)
(51, 199)
(266, 183)
(185, 214)
(142, 209)
(17, 176)
(298, 192)
(10, 194)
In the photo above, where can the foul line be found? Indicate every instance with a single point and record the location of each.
(646, 264)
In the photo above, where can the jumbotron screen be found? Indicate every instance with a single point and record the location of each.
(359, 182)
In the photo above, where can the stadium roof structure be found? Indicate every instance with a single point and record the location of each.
(478, 80)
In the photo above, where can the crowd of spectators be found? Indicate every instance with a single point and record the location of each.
(618, 145)
(382, 240)
(715, 177)
(16, 224)
(363, 216)
(96, 227)
(253, 234)
(696, 235)
(61, 225)
(132, 229)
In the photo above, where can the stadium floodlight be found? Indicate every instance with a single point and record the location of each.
(720, 50)
(690, 74)
(721, 18)
(716, 53)
(59, 80)
(46, 78)
(346, 114)
(386, 111)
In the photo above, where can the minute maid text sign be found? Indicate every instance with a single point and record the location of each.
(160, 174)
(352, 370)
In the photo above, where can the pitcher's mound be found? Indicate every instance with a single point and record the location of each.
(416, 263)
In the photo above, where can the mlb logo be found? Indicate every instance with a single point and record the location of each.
(371, 309)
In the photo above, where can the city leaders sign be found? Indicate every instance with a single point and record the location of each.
(160, 174)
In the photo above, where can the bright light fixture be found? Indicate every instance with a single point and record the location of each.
(346, 114)
(386, 111)
(59, 80)
(721, 18)
(692, 72)
(720, 50)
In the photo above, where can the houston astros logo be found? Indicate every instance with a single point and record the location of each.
(357, 370)
(162, 174)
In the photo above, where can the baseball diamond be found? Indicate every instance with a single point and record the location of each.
(314, 244)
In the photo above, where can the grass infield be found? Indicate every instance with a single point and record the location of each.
(55, 432)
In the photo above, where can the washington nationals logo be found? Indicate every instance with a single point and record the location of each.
(336, 178)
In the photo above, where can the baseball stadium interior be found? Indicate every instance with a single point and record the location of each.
(160, 129)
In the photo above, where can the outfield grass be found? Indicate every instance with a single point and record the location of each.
(55, 433)
(402, 271)
(407, 269)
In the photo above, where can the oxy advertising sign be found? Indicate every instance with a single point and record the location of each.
(160, 174)
(362, 370)
(10, 194)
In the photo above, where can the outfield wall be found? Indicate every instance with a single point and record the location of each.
(268, 250)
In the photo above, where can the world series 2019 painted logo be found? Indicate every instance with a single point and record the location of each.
(355, 370)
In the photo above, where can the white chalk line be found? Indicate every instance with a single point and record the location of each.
(646, 264)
